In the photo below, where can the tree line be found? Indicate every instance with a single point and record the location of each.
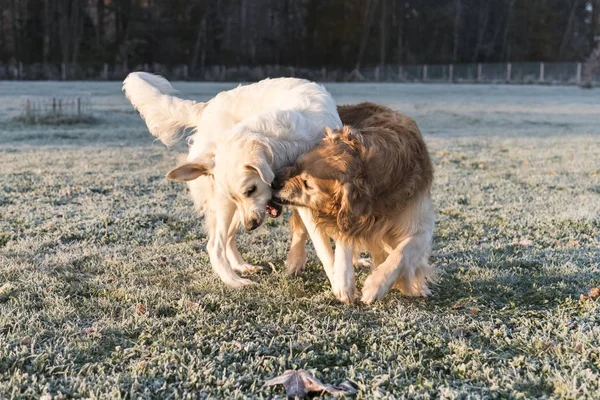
(302, 33)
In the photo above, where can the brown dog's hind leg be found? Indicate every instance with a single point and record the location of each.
(296, 258)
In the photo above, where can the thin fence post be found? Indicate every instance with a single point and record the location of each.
(105, 72)
(451, 73)
(401, 73)
(542, 72)
(377, 73)
(425, 72)
(63, 71)
(479, 72)
(578, 77)
(21, 70)
(508, 72)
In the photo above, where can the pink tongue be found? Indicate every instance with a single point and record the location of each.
(272, 211)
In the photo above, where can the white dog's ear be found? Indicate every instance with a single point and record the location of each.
(189, 171)
(263, 169)
(261, 156)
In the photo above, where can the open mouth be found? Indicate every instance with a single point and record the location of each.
(274, 208)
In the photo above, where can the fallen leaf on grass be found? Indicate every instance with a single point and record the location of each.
(474, 311)
(592, 294)
(26, 341)
(300, 383)
(90, 331)
(573, 243)
(524, 243)
(140, 310)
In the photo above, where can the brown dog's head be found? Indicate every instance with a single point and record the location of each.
(328, 179)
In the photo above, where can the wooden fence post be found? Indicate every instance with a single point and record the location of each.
(63, 71)
(578, 76)
(542, 72)
(508, 72)
(451, 73)
(105, 72)
(377, 73)
(424, 72)
(401, 73)
(479, 72)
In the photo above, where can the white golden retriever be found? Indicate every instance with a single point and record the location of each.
(240, 138)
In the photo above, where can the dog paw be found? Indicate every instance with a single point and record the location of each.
(345, 294)
(246, 268)
(372, 290)
(364, 262)
(239, 283)
(294, 264)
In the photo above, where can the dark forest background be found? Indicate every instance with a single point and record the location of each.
(302, 33)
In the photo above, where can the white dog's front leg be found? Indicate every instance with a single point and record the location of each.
(224, 211)
(233, 255)
(320, 242)
(343, 273)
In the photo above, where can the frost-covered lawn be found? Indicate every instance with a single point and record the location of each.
(106, 291)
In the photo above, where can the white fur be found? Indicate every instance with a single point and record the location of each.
(285, 116)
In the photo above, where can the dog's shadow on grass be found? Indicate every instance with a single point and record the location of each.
(512, 276)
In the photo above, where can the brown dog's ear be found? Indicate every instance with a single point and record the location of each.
(189, 171)
(352, 208)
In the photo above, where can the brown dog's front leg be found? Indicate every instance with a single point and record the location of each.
(296, 258)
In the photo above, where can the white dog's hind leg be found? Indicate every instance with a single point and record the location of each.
(219, 225)
(320, 242)
(233, 255)
(343, 273)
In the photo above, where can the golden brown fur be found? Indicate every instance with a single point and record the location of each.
(368, 185)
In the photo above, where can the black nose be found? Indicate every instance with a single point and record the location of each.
(252, 225)
(277, 183)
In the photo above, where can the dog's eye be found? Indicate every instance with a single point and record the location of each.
(250, 191)
(306, 185)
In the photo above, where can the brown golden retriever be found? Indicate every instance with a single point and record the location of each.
(367, 187)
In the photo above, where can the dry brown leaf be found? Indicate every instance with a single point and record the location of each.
(90, 331)
(524, 243)
(573, 243)
(26, 341)
(140, 310)
(300, 383)
(524, 164)
(578, 347)
(474, 310)
(592, 294)
(190, 305)
(552, 173)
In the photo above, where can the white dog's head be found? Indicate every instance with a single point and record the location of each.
(242, 170)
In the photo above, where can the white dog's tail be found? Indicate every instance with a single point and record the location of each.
(165, 115)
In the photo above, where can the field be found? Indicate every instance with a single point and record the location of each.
(106, 290)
